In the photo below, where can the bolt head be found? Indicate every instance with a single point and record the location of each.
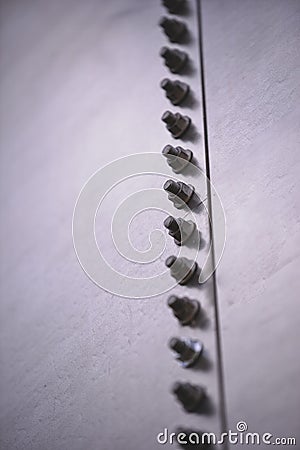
(166, 84)
(171, 186)
(171, 224)
(164, 51)
(170, 261)
(168, 117)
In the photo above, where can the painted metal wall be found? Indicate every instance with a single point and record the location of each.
(79, 87)
(252, 72)
(82, 368)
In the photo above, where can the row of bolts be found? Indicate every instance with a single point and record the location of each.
(188, 351)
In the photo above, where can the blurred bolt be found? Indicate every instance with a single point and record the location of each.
(191, 396)
(175, 59)
(174, 6)
(182, 269)
(184, 309)
(188, 350)
(176, 124)
(174, 29)
(176, 91)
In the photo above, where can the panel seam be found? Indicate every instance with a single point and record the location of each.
(221, 383)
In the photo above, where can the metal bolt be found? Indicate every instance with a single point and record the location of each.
(170, 261)
(182, 269)
(177, 151)
(173, 28)
(184, 309)
(174, 6)
(179, 193)
(188, 350)
(177, 157)
(175, 59)
(172, 187)
(179, 229)
(176, 124)
(191, 396)
(169, 118)
(170, 150)
(176, 91)
(179, 346)
(173, 227)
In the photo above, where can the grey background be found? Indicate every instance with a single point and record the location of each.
(79, 87)
(253, 68)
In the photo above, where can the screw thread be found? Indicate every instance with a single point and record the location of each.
(176, 303)
(171, 224)
(172, 187)
(170, 261)
(169, 118)
(178, 345)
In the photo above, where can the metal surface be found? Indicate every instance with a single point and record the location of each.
(80, 86)
(80, 368)
(252, 70)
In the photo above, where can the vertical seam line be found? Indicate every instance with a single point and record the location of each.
(221, 383)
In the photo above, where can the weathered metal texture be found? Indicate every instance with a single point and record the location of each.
(252, 64)
(81, 368)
